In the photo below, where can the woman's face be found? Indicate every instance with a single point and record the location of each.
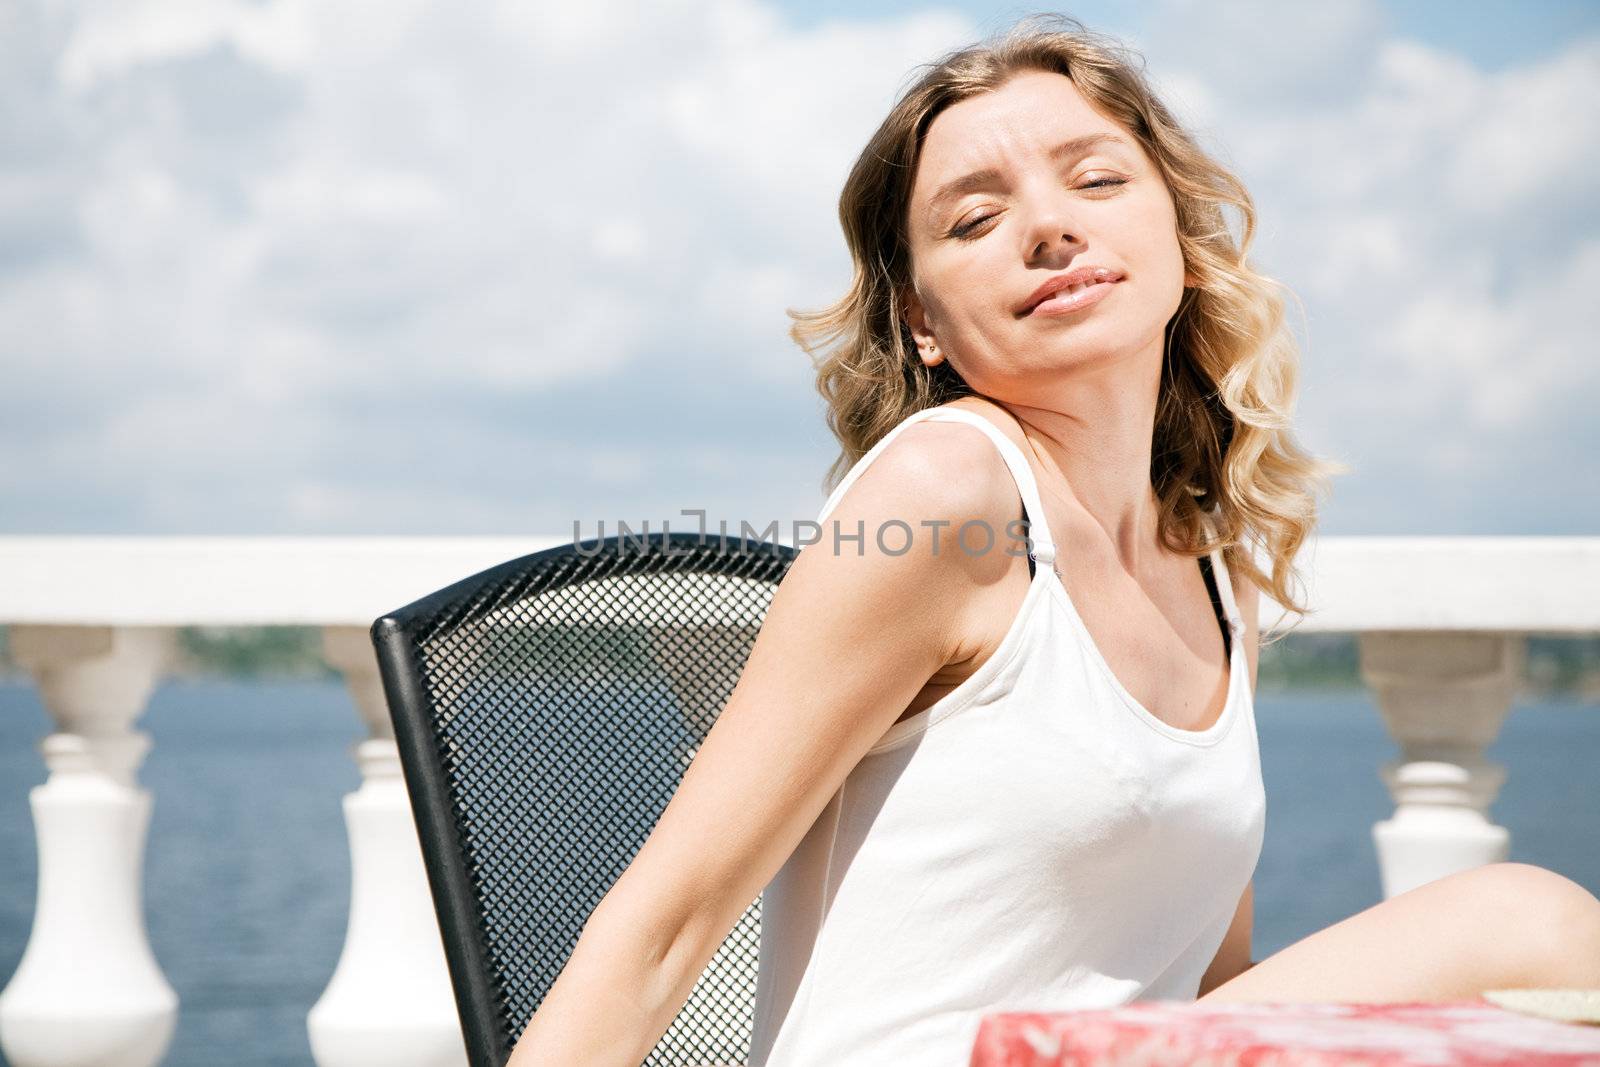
(980, 248)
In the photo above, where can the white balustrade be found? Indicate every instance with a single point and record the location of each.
(1440, 622)
(91, 619)
(1440, 625)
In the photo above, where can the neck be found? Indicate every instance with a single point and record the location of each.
(1093, 444)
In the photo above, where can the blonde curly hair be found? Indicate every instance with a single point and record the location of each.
(1222, 440)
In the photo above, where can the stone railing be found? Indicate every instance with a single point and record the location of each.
(1440, 624)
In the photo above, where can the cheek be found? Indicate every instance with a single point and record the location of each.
(963, 292)
(1154, 243)
(987, 277)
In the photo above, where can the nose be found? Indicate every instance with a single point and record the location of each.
(1053, 233)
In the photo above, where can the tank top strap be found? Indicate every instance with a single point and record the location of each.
(1219, 569)
(1044, 548)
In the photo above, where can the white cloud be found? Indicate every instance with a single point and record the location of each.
(1506, 360)
(113, 36)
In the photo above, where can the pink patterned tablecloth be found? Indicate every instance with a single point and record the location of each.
(1157, 1033)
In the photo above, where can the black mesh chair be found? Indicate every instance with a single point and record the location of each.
(545, 711)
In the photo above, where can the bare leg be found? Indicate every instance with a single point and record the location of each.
(1503, 925)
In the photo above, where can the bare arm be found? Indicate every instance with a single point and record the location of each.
(846, 643)
(1233, 958)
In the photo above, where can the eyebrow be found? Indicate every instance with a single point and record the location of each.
(978, 179)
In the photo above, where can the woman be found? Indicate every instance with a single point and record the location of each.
(972, 780)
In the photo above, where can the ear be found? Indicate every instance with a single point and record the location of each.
(916, 319)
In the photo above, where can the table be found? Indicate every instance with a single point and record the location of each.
(1176, 1033)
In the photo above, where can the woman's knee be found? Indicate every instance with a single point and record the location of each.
(1549, 924)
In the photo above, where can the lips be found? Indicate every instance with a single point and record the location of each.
(1077, 276)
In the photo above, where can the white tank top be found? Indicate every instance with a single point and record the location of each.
(1034, 840)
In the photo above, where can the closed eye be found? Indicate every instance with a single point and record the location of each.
(966, 228)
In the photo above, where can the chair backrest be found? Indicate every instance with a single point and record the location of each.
(545, 711)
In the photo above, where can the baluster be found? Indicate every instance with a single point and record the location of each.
(389, 1002)
(88, 990)
(1443, 697)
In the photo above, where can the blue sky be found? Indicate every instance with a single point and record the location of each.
(1491, 34)
(292, 267)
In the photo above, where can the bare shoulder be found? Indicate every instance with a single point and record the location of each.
(936, 476)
